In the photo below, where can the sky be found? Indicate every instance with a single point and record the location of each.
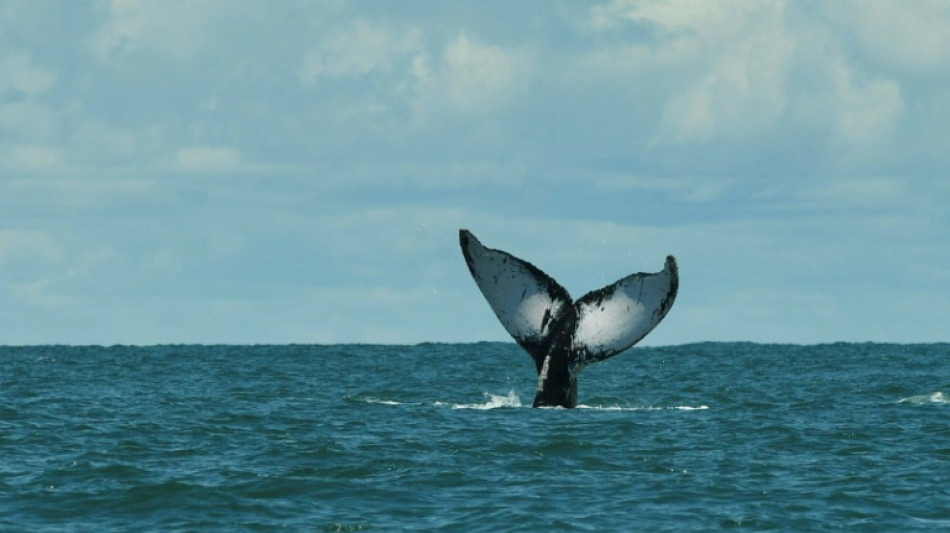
(237, 171)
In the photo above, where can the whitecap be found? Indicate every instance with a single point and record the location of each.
(646, 408)
(383, 402)
(496, 401)
(691, 408)
(371, 399)
(492, 401)
(936, 397)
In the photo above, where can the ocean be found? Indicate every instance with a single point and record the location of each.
(442, 437)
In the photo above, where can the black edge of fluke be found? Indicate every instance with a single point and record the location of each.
(561, 335)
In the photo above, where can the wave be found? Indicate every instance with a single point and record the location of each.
(647, 408)
(383, 402)
(362, 398)
(495, 401)
(513, 400)
(936, 397)
(492, 401)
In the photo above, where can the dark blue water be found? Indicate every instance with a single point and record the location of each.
(442, 437)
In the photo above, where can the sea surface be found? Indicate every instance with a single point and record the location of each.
(442, 437)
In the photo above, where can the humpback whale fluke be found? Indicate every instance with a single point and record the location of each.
(561, 335)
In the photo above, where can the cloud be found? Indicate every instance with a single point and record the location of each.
(38, 294)
(866, 109)
(744, 91)
(687, 189)
(861, 192)
(792, 155)
(466, 75)
(27, 246)
(709, 21)
(361, 49)
(18, 73)
(903, 36)
(31, 158)
(477, 75)
(719, 68)
(29, 121)
(208, 159)
(174, 28)
(753, 72)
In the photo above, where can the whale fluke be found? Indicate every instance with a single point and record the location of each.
(561, 335)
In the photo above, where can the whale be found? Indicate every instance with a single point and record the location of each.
(561, 335)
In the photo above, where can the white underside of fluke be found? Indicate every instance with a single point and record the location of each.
(529, 303)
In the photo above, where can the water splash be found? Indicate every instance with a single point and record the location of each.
(492, 401)
(936, 397)
(496, 401)
(361, 398)
(383, 402)
(647, 408)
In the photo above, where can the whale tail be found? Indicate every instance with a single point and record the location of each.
(541, 316)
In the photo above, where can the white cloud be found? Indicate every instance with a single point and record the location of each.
(39, 294)
(86, 265)
(740, 57)
(703, 19)
(471, 76)
(86, 189)
(741, 53)
(361, 49)
(878, 191)
(171, 27)
(31, 158)
(721, 67)
(866, 109)
(904, 35)
(208, 159)
(27, 245)
(688, 189)
(742, 94)
(19, 73)
(480, 74)
(96, 142)
(468, 75)
(29, 121)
